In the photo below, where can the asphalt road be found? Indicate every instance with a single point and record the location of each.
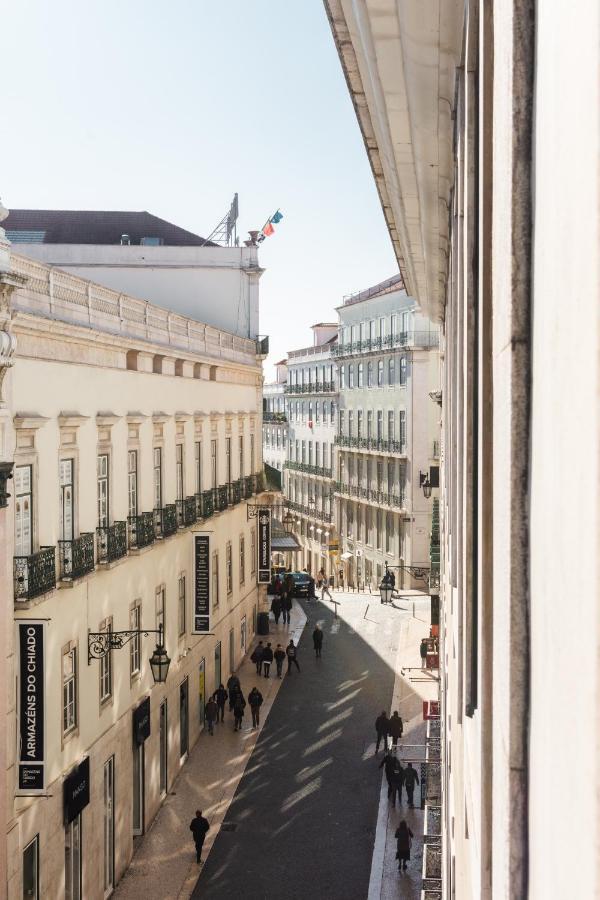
(304, 816)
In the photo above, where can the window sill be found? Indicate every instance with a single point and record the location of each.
(31, 604)
(107, 566)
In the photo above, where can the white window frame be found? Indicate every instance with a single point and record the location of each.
(132, 485)
(135, 647)
(105, 676)
(181, 604)
(69, 691)
(103, 489)
(229, 567)
(242, 559)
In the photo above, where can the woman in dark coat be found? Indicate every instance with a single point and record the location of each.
(404, 838)
(276, 607)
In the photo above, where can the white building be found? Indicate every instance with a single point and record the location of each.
(131, 429)
(482, 124)
(274, 429)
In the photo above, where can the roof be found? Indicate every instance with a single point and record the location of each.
(65, 226)
(395, 283)
(325, 325)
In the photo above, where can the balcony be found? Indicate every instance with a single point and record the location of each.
(262, 346)
(305, 510)
(34, 575)
(373, 445)
(141, 530)
(186, 512)
(313, 387)
(277, 417)
(208, 503)
(435, 450)
(378, 497)
(222, 501)
(76, 557)
(165, 521)
(235, 492)
(249, 486)
(410, 339)
(307, 468)
(112, 542)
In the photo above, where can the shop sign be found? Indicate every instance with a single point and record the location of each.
(264, 545)
(431, 709)
(31, 736)
(201, 623)
(76, 790)
(141, 722)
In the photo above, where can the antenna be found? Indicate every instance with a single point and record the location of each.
(225, 232)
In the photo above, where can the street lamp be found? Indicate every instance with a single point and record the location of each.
(159, 661)
(386, 589)
(104, 642)
(425, 484)
(288, 522)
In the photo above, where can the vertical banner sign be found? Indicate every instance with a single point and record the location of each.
(31, 756)
(264, 545)
(201, 624)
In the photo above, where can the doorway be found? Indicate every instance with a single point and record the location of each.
(183, 718)
(201, 691)
(163, 739)
(138, 790)
(109, 826)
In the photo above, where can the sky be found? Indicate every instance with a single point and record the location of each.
(172, 108)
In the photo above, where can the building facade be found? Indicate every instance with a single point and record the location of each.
(482, 124)
(387, 438)
(131, 429)
(274, 429)
(311, 403)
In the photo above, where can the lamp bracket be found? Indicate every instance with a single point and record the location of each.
(102, 642)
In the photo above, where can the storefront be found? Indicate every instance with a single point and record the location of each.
(76, 796)
(141, 731)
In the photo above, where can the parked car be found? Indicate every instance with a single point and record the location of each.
(301, 584)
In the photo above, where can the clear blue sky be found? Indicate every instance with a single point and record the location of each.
(172, 107)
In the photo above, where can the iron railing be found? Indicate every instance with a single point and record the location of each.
(165, 520)
(279, 417)
(382, 498)
(141, 530)
(35, 574)
(76, 557)
(249, 487)
(421, 339)
(235, 492)
(378, 445)
(309, 511)
(312, 387)
(208, 503)
(222, 497)
(112, 541)
(186, 511)
(307, 468)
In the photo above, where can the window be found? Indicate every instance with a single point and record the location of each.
(135, 624)
(369, 526)
(394, 324)
(390, 426)
(241, 453)
(102, 472)
(350, 422)
(391, 370)
(360, 375)
(391, 466)
(69, 669)
(303, 407)
(73, 860)
(243, 634)
(157, 477)
(66, 499)
(181, 601)
(105, 667)
(379, 425)
(370, 375)
(350, 376)
(23, 511)
(213, 464)
(379, 475)
(380, 373)
(402, 435)
(310, 413)
(160, 598)
(297, 410)
(342, 422)
(215, 579)
(132, 504)
(317, 414)
(317, 454)
(342, 377)
(378, 529)
(332, 412)
(228, 460)
(389, 533)
(253, 551)
(252, 454)
(325, 466)
(369, 423)
(229, 567)
(179, 471)
(242, 560)
(359, 423)
(31, 865)
(310, 453)
(402, 481)
(198, 465)
(403, 369)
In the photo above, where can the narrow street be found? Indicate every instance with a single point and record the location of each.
(304, 817)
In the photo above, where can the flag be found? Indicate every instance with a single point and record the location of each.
(268, 229)
(277, 217)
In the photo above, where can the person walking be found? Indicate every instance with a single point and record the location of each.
(286, 605)
(233, 686)
(211, 712)
(267, 659)
(292, 657)
(221, 699)
(382, 727)
(324, 585)
(318, 640)
(396, 727)
(311, 587)
(257, 656)
(276, 607)
(410, 778)
(396, 782)
(255, 699)
(391, 765)
(279, 658)
(199, 826)
(238, 711)
(404, 838)
(423, 651)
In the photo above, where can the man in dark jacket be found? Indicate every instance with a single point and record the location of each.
(221, 699)
(286, 603)
(410, 778)
(279, 658)
(276, 607)
(199, 826)
(233, 686)
(382, 727)
(211, 712)
(391, 765)
(396, 727)
(239, 704)
(318, 640)
(423, 652)
(255, 699)
(267, 659)
(257, 657)
(396, 782)
(292, 657)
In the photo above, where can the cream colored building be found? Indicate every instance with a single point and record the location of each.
(482, 124)
(131, 430)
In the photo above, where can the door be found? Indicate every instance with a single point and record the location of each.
(73, 860)
(103, 492)
(31, 863)
(231, 651)
(163, 739)
(23, 516)
(109, 826)
(243, 637)
(66, 499)
(217, 665)
(138, 789)
(201, 691)
(183, 718)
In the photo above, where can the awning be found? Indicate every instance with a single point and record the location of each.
(281, 539)
(346, 555)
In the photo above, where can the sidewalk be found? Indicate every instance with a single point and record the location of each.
(164, 864)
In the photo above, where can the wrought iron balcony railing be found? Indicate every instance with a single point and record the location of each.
(249, 486)
(312, 387)
(222, 501)
(76, 557)
(186, 512)
(34, 575)
(235, 492)
(277, 417)
(112, 542)
(420, 339)
(141, 530)
(165, 520)
(318, 514)
(377, 445)
(208, 503)
(379, 497)
(307, 468)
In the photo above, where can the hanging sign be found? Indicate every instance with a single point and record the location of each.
(201, 623)
(141, 722)
(76, 790)
(31, 736)
(264, 545)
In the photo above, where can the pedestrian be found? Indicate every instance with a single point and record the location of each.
(199, 826)
(423, 651)
(238, 711)
(276, 607)
(257, 656)
(279, 658)
(267, 659)
(292, 657)
(221, 698)
(286, 605)
(396, 782)
(255, 699)
(211, 712)
(233, 686)
(324, 585)
(404, 838)
(391, 765)
(396, 727)
(311, 588)
(392, 578)
(382, 727)
(318, 640)
(410, 777)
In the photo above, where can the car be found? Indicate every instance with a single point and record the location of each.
(301, 584)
